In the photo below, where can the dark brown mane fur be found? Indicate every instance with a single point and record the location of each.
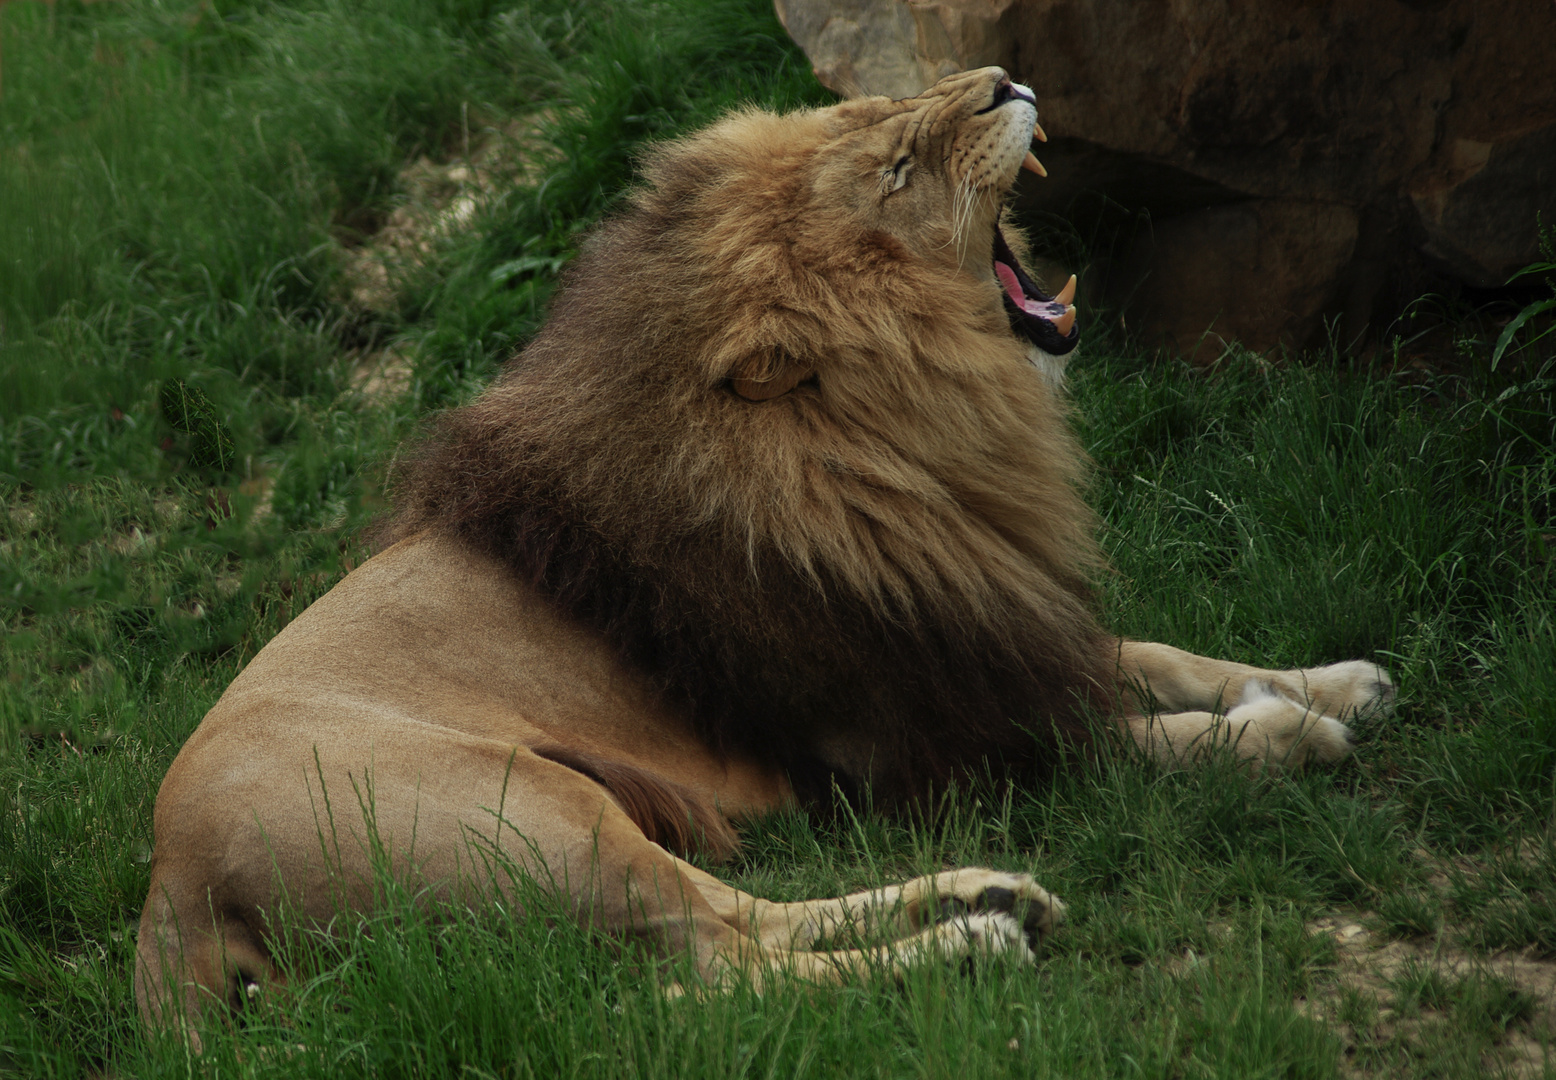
(883, 574)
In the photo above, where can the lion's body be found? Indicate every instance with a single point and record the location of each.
(907, 548)
(775, 502)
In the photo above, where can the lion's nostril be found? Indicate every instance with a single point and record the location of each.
(1003, 92)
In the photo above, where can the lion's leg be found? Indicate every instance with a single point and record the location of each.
(960, 935)
(189, 959)
(450, 813)
(455, 816)
(1265, 729)
(955, 914)
(1177, 681)
(1180, 706)
(895, 909)
(573, 836)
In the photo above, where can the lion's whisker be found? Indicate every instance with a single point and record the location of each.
(963, 204)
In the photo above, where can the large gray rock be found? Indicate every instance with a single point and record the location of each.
(1297, 164)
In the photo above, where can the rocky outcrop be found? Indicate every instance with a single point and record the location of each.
(1281, 170)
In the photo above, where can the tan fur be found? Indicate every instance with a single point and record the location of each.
(775, 502)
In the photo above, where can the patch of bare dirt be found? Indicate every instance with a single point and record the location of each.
(1369, 999)
(381, 376)
(440, 200)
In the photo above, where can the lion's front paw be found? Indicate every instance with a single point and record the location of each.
(1037, 911)
(1270, 729)
(1347, 689)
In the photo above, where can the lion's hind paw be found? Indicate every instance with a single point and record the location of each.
(987, 933)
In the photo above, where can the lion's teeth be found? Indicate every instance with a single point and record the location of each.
(1065, 321)
(1067, 293)
(1038, 133)
(1031, 164)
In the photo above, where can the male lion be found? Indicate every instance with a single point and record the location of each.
(782, 497)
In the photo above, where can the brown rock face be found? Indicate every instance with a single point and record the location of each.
(1287, 165)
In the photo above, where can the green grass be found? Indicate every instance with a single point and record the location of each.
(181, 187)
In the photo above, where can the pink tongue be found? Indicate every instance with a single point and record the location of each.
(1012, 285)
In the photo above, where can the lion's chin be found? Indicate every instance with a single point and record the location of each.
(1046, 321)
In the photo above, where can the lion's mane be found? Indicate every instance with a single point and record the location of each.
(881, 576)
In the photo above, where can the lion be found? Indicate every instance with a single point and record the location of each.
(782, 501)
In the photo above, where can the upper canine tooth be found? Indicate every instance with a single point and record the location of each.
(1067, 293)
(1031, 164)
(1038, 133)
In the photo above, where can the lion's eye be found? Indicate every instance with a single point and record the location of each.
(897, 176)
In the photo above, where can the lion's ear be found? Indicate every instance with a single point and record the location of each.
(767, 374)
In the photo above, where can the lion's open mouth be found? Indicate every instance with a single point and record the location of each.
(1046, 321)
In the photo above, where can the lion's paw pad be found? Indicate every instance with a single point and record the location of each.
(1016, 896)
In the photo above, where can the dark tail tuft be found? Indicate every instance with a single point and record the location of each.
(671, 815)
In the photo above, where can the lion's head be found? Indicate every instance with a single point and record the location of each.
(782, 442)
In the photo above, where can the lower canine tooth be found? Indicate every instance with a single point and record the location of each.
(1065, 321)
(1067, 293)
(1031, 164)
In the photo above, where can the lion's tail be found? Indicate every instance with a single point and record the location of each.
(671, 815)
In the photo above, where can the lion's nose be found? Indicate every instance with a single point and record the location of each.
(1007, 91)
